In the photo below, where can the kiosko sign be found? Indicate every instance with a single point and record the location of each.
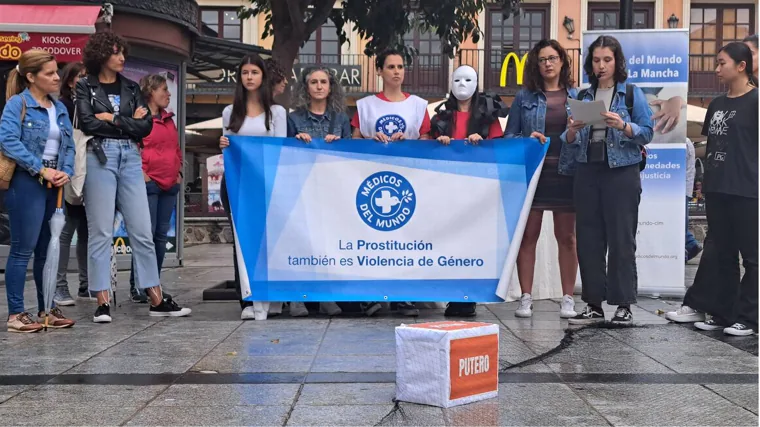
(65, 47)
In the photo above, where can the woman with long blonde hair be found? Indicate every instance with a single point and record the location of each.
(31, 116)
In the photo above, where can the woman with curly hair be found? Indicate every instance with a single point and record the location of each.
(607, 186)
(471, 116)
(318, 114)
(540, 110)
(277, 77)
(111, 110)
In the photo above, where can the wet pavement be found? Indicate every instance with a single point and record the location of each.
(213, 369)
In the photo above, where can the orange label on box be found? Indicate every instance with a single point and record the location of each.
(449, 326)
(474, 365)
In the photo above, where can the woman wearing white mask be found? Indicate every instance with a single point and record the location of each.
(467, 115)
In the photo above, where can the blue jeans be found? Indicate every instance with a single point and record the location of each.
(691, 241)
(30, 206)
(118, 184)
(161, 204)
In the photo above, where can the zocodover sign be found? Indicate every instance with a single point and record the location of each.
(658, 63)
(365, 221)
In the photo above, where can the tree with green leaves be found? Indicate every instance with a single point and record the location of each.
(382, 23)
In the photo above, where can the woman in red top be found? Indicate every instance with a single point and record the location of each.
(162, 167)
(467, 115)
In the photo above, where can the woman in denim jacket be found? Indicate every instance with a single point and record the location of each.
(36, 133)
(319, 113)
(608, 184)
(540, 111)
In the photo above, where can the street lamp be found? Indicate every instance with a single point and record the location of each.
(673, 21)
(569, 25)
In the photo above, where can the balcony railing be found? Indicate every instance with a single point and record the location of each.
(490, 65)
(702, 79)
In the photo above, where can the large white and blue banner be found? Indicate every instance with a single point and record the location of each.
(364, 221)
(658, 63)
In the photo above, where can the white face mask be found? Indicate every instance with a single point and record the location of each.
(464, 82)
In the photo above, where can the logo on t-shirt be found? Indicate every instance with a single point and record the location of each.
(390, 124)
(115, 103)
(385, 201)
(718, 122)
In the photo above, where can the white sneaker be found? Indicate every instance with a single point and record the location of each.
(738, 330)
(330, 308)
(247, 313)
(567, 307)
(526, 306)
(685, 314)
(298, 309)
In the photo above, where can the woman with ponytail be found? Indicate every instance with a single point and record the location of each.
(36, 133)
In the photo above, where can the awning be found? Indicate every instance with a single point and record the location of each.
(61, 30)
(211, 54)
(49, 19)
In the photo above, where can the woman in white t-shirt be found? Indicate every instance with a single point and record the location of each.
(252, 113)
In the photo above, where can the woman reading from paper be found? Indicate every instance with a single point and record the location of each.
(391, 116)
(607, 186)
(540, 110)
(252, 113)
(466, 115)
(319, 114)
(729, 302)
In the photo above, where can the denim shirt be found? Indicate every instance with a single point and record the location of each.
(621, 150)
(304, 121)
(26, 143)
(528, 115)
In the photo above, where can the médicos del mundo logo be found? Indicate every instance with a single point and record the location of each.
(385, 201)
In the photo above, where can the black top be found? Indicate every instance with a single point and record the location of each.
(732, 138)
(69, 106)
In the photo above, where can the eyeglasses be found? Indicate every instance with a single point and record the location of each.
(551, 60)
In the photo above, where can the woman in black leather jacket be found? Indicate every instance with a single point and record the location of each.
(111, 109)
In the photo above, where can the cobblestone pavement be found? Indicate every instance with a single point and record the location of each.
(213, 369)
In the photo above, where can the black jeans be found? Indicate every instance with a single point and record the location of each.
(718, 288)
(607, 216)
(226, 204)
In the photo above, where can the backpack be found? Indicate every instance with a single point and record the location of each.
(629, 106)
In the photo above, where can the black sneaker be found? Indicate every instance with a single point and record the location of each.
(588, 316)
(407, 309)
(370, 308)
(85, 294)
(141, 297)
(460, 309)
(623, 316)
(102, 314)
(169, 308)
(137, 296)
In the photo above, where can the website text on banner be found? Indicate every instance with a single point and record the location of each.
(364, 221)
(658, 63)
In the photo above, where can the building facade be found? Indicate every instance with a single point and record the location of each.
(712, 23)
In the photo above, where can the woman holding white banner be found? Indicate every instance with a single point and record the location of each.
(607, 186)
(540, 110)
(470, 116)
(731, 193)
(391, 116)
(319, 113)
(252, 113)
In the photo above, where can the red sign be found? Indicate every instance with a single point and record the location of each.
(65, 47)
